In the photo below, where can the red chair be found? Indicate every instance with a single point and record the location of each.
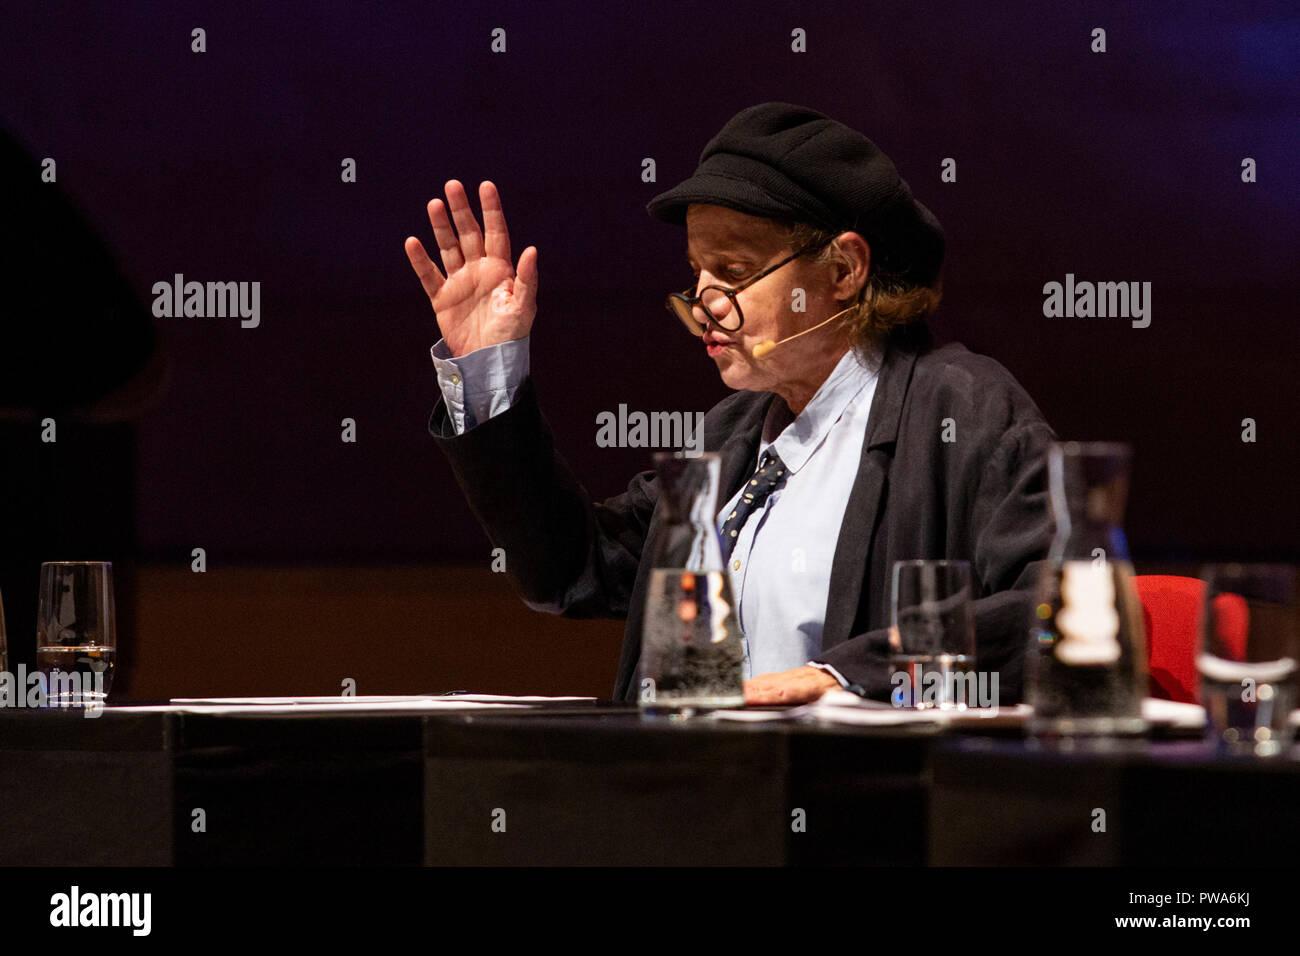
(1171, 612)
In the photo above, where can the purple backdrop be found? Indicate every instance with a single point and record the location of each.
(225, 165)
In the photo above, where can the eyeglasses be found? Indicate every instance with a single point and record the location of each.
(713, 298)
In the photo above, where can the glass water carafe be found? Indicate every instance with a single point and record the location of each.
(1086, 664)
(691, 652)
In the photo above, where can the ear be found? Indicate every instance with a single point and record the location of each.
(853, 264)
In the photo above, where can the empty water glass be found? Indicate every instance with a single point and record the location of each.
(1247, 661)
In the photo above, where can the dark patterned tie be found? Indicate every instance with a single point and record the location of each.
(770, 476)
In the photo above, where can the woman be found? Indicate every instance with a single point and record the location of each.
(815, 268)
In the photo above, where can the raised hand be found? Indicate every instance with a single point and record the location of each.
(481, 300)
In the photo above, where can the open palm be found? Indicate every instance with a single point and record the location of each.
(481, 300)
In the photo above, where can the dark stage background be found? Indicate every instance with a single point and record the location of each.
(225, 166)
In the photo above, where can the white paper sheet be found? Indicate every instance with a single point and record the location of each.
(340, 704)
(375, 699)
(840, 706)
(417, 704)
(875, 716)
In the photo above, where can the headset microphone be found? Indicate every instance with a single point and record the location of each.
(762, 349)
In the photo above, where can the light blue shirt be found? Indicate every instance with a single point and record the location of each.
(482, 383)
(780, 568)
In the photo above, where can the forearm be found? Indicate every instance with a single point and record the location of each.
(565, 554)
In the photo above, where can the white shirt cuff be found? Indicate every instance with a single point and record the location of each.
(480, 384)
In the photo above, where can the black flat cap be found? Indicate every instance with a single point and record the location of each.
(782, 161)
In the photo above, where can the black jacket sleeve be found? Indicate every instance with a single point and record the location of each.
(1012, 532)
(565, 554)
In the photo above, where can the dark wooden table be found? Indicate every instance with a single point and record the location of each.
(618, 789)
(602, 785)
(1162, 803)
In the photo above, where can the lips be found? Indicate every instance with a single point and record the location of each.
(711, 340)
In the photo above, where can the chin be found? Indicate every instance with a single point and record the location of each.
(735, 376)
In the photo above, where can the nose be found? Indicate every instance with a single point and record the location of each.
(716, 304)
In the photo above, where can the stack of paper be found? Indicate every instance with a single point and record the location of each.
(280, 705)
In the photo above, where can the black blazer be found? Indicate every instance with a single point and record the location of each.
(953, 466)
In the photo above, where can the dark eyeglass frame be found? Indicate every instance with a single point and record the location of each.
(682, 304)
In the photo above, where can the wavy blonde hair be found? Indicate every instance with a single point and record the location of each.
(884, 302)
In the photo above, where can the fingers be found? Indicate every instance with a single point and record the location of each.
(525, 290)
(471, 240)
(448, 245)
(430, 277)
(497, 239)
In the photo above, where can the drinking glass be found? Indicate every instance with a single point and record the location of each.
(691, 653)
(76, 634)
(1247, 660)
(932, 641)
